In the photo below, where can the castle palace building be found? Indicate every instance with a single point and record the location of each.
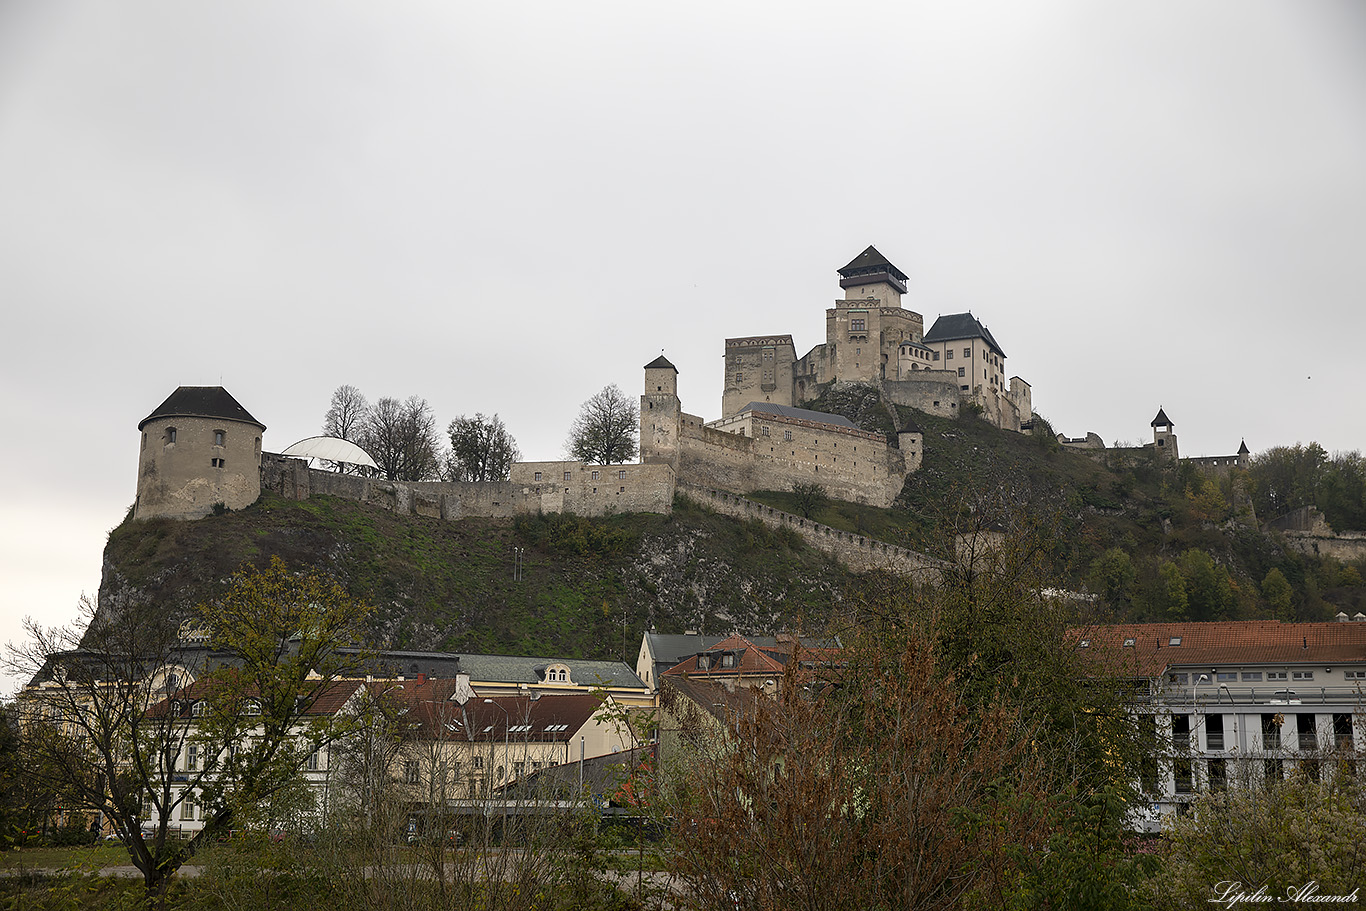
(871, 338)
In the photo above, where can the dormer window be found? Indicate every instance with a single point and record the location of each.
(557, 673)
(252, 707)
(728, 659)
(1174, 640)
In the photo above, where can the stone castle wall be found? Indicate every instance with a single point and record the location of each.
(646, 488)
(931, 391)
(855, 551)
(1307, 531)
(786, 450)
(649, 488)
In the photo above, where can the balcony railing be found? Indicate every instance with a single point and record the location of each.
(1206, 695)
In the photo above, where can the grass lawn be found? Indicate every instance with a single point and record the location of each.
(92, 857)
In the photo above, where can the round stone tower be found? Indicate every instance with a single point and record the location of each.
(199, 448)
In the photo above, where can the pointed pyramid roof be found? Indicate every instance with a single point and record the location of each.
(202, 402)
(1242, 448)
(871, 261)
(661, 362)
(1161, 419)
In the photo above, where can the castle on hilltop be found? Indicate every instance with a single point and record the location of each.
(769, 446)
(870, 338)
(1163, 446)
(201, 450)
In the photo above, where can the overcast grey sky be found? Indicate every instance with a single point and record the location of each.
(503, 207)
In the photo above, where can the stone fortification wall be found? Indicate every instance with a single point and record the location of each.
(855, 551)
(595, 490)
(711, 457)
(773, 452)
(1216, 466)
(1308, 532)
(931, 391)
(1305, 520)
(646, 488)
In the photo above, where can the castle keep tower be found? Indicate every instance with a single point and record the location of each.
(864, 331)
(870, 275)
(199, 448)
(758, 369)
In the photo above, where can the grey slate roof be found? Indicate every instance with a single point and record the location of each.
(1161, 419)
(801, 414)
(659, 362)
(201, 402)
(510, 669)
(956, 326)
(869, 261)
(515, 669)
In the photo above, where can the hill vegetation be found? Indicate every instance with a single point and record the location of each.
(587, 587)
(1150, 540)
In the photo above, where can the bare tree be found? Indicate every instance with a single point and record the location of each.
(604, 433)
(128, 722)
(346, 419)
(809, 498)
(347, 415)
(878, 788)
(402, 439)
(481, 449)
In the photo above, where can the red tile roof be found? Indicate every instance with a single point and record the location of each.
(438, 716)
(1224, 643)
(327, 701)
(750, 660)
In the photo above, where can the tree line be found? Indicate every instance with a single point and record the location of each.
(1285, 478)
(404, 440)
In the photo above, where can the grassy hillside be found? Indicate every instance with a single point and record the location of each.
(589, 587)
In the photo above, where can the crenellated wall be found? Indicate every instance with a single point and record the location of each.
(855, 551)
